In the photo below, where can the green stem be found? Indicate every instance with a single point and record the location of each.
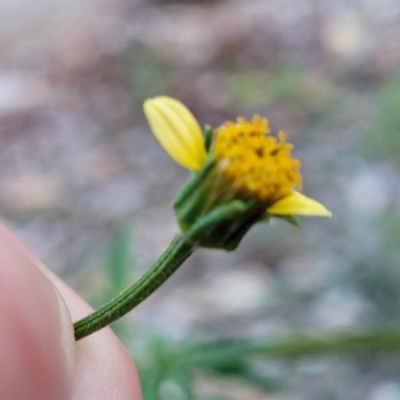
(169, 261)
(297, 344)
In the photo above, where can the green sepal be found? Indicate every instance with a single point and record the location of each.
(267, 218)
(289, 218)
(211, 217)
(208, 137)
(223, 227)
(193, 183)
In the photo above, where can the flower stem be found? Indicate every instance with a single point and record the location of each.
(169, 261)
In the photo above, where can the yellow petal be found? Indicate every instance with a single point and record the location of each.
(177, 131)
(297, 203)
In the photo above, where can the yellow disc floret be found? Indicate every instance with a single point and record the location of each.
(257, 165)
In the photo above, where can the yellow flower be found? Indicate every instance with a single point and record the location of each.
(254, 165)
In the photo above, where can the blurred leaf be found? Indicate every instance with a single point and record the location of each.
(261, 87)
(118, 267)
(160, 377)
(379, 283)
(230, 359)
(170, 367)
(383, 139)
(142, 72)
(120, 262)
(392, 225)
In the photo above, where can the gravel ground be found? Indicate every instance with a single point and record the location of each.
(77, 160)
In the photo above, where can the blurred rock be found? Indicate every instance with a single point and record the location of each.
(370, 189)
(338, 309)
(385, 391)
(344, 36)
(308, 273)
(31, 193)
(234, 292)
(22, 91)
(98, 165)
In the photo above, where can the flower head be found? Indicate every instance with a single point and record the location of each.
(244, 163)
(254, 162)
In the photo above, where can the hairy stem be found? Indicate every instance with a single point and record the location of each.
(169, 261)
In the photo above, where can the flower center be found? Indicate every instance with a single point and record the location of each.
(257, 165)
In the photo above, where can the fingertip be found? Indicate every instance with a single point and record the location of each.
(104, 369)
(36, 342)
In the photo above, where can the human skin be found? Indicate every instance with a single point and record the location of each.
(39, 358)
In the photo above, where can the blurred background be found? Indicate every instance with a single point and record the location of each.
(86, 185)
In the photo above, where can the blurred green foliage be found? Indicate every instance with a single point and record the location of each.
(120, 261)
(118, 268)
(383, 138)
(167, 367)
(253, 87)
(142, 73)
